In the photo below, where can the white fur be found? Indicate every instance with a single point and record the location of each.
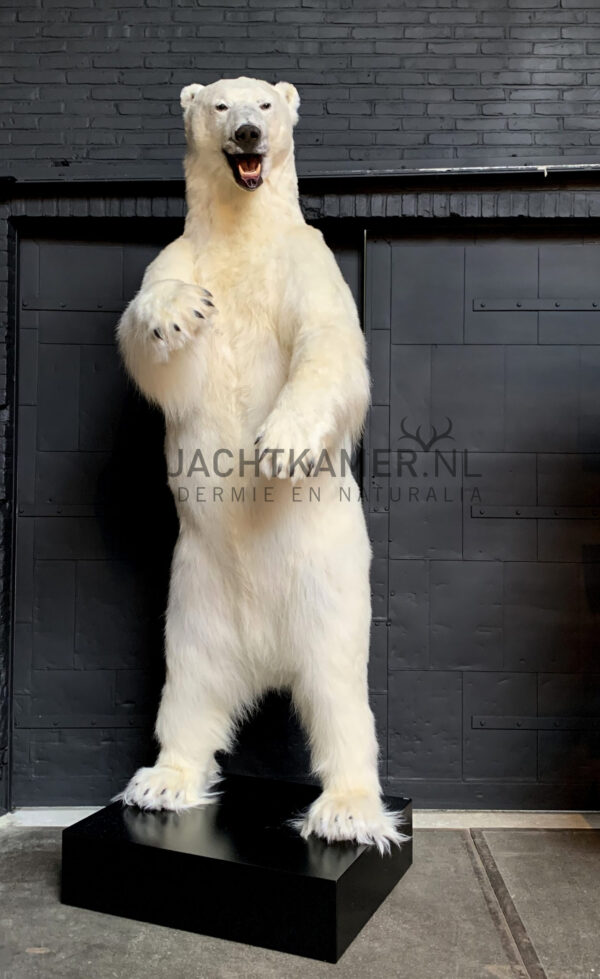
(264, 594)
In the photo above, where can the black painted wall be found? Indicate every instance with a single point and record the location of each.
(382, 81)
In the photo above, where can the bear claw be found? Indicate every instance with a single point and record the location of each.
(353, 817)
(171, 311)
(167, 787)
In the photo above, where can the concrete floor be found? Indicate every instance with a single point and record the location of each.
(497, 903)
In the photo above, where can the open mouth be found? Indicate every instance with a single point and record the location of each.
(246, 168)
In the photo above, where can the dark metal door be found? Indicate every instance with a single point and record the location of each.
(485, 516)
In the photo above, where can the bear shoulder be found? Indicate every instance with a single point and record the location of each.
(313, 277)
(305, 234)
(306, 247)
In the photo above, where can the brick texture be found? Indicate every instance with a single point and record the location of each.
(97, 83)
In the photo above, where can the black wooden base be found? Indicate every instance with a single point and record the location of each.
(234, 870)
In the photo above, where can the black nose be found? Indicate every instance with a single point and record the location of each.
(247, 136)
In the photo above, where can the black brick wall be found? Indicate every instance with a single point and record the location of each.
(382, 81)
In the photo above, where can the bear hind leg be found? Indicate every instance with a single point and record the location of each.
(198, 711)
(191, 726)
(331, 695)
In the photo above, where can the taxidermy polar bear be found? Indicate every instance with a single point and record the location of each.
(247, 336)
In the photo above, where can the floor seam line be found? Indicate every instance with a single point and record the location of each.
(507, 908)
(507, 941)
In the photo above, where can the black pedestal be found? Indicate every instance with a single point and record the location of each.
(234, 870)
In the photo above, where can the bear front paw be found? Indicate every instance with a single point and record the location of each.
(286, 449)
(172, 313)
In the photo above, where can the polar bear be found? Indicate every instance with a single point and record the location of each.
(246, 335)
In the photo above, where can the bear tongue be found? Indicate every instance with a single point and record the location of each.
(249, 167)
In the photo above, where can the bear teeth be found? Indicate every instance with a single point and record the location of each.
(250, 166)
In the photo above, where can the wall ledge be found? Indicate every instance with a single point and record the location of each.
(64, 180)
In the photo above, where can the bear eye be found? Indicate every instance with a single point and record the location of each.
(221, 107)
(265, 105)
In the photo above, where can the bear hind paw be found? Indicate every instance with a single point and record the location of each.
(167, 787)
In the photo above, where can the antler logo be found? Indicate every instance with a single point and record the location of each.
(418, 438)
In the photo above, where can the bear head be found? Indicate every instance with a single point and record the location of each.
(240, 128)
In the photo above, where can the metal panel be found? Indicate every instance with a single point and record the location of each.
(465, 376)
(570, 268)
(542, 398)
(426, 513)
(54, 620)
(410, 390)
(427, 293)
(500, 270)
(409, 615)
(58, 398)
(588, 435)
(98, 283)
(563, 327)
(494, 599)
(425, 735)
(466, 635)
(499, 754)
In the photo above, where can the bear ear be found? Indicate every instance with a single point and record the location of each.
(188, 94)
(290, 94)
